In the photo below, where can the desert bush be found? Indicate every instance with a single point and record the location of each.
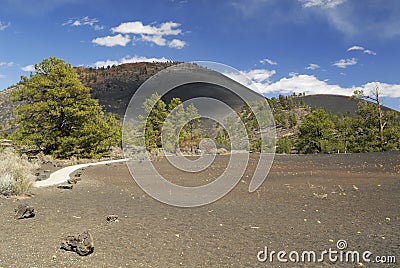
(45, 159)
(116, 153)
(7, 184)
(16, 173)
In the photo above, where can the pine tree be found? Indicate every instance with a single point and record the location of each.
(316, 132)
(173, 125)
(58, 115)
(192, 125)
(155, 108)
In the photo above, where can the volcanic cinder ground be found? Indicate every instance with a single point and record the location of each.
(308, 202)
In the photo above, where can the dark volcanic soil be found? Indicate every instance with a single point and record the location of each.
(307, 203)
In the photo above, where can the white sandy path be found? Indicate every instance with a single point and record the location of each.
(62, 175)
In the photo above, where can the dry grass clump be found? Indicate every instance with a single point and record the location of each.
(7, 184)
(45, 159)
(16, 173)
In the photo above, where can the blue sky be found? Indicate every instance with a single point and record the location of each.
(284, 46)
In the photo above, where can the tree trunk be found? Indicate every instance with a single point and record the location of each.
(381, 123)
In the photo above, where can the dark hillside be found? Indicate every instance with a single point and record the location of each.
(334, 103)
(114, 86)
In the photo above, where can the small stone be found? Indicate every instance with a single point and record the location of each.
(82, 244)
(41, 177)
(67, 186)
(72, 181)
(24, 211)
(112, 218)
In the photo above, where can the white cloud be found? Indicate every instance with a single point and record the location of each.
(366, 51)
(4, 26)
(128, 59)
(137, 27)
(269, 61)
(259, 75)
(355, 48)
(28, 68)
(156, 39)
(8, 64)
(176, 43)
(98, 27)
(156, 34)
(84, 21)
(241, 78)
(343, 63)
(322, 3)
(255, 79)
(110, 41)
(2, 76)
(387, 90)
(312, 66)
(303, 83)
(309, 84)
(370, 52)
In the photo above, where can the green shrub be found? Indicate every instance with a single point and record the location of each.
(284, 146)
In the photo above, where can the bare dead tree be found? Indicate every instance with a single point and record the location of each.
(375, 96)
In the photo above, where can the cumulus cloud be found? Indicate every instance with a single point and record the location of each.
(344, 63)
(128, 59)
(322, 3)
(312, 66)
(156, 39)
(269, 61)
(259, 75)
(255, 79)
(4, 25)
(28, 68)
(366, 51)
(137, 27)
(310, 84)
(155, 34)
(92, 22)
(7, 64)
(111, 41)
(176, 43)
